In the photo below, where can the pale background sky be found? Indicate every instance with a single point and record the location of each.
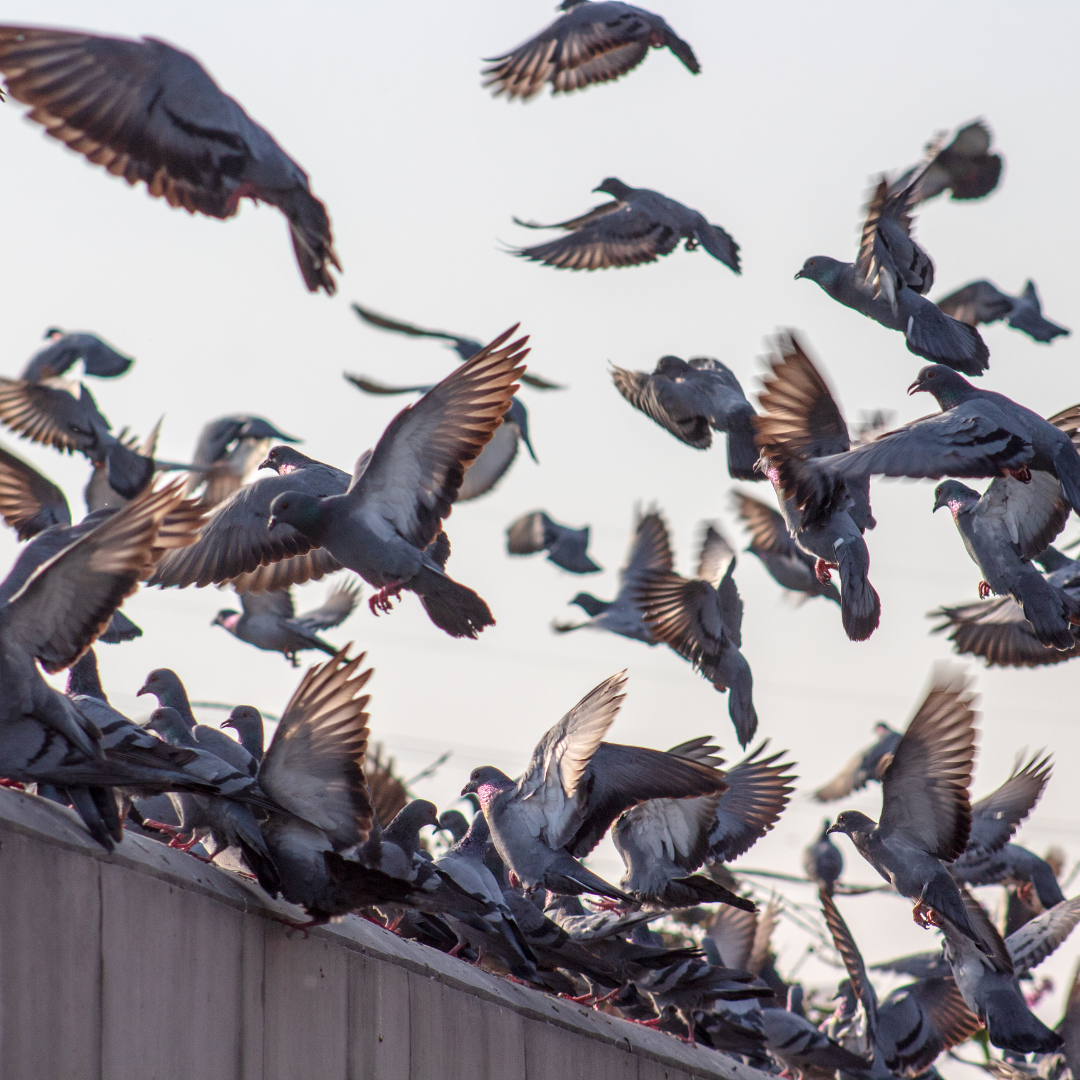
(798, 107)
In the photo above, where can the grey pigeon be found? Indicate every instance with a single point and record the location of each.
(805, 1050)
(865, 766)
(268, 620)
(638, 227)
(926, 814)
(889, 280)
(566, 547)
(66, 348)
(575, 787)
(590, 43)
(788, 565)
(692, 399)
(228, 450)
(247, 722)
(146, 111)
(800, 422)
(700, 618)
(823, 862)
(1017, 865)
(983, 302)
(965, 168)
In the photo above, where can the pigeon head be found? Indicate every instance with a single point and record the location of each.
(245, 721)
(284, 460)
(53, 333)
(881, 729)
(948, 387)
(590, 604)
(822, 269)
(169, 724)
(519, 417)
(227, 618)
(404, 830)
(612, 186)
(303, 512)
(255, 427)
(455, 823)
(956, 496)
(852, 823)
(487, 782)
(569, 5)
(166, 686)
(672, 367)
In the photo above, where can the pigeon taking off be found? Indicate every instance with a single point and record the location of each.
(146, 111)
(566, 547)
(590, 43)
(638, 227)
(65, 349)
(982, 302)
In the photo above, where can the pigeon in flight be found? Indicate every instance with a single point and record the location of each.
(566, 547)
(888, 283)
(965, 168)
(692, 400)
(146, 111)
(590, 43)
(638, 227)
(228, 450)
(865, 766)
(982, 302)
(65, 349)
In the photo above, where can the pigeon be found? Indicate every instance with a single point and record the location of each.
(385, 526)
(574, 789)
(1014, 864)
(805, 1050)
(788, 565)
(889, 280)
(638, 227)
(247, 722)
(146, 111)
(228, 449)
(67, 348)
(865, 766)
(801, 422)
(983, 302)
(566, 547)
(965, 167)
(926, 814)
(700, 618)
(269, 622)
(823, 862)
(692, 400)
(465, 347)
(590, 43)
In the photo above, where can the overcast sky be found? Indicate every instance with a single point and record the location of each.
(798, 107)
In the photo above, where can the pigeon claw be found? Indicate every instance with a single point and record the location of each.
(381, 601)
(1023, 475)
(925, 916)
(984, 590)
(608, 905)
(822, 571)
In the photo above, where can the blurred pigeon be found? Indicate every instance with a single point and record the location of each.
(269, 621)
(865, 766)
(228, 450)
(146, 111)
(692, 400)
(982, 302)
(638, 227)
(566, 547)
(66, 349)
(801, 422)
(805, 1050)
(926, 814)
(823, 862)
(965, 167)
(1016, 865)
(889, 280)
(788, 565)
(590, 43)
(384, 525)
(247, 722)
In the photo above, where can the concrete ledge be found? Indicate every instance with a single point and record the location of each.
(149, 965)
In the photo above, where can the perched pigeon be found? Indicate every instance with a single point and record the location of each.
(385, 527)
(865, 766)
(926, 814)
(228, 450)
(247, 722)
(982, 302)
(823, 862)
(65, 349)
(692, 400)
(590, 43)
(801, 422)
(269, 622)
(965, 167)
(146, 111)
(788, 565)
(566, 547)
(889, 280)
(638, 227)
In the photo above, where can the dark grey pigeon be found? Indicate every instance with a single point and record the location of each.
(566, 547)
(926, 813)
(788, 565)
(66, 349)
(889, 280)
(228, 451)
(146, 111)
(823, 862)
(1016, 865)
(793, 1039)
(590, 43)
(865, 766)
(983, 302)
(247, 722)
(965, 168)
(638, 227)
(385, 526)
(269, 621)
(692, 400)
(800, 422)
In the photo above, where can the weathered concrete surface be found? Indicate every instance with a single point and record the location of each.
(149, 965)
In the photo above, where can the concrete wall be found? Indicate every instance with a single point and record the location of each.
(149, 965)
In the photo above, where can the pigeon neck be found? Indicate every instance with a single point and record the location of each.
(83, 678)
(487, 794)
(476, 839)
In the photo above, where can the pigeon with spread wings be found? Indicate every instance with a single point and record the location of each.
(965, 168)
(983, 302)
(66, 348)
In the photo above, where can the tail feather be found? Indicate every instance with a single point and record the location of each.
(244, 831)
(571, 878)
(860, 605)
(1013, 1026)
(944, 340)
(699, 889)
(312, 240)
(1047, 608)
(451, 606)
(97, 807)
(741, 704)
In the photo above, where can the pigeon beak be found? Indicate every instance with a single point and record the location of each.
(798, 275)
(271, 523)
(144, 689)
(265, 463)
(226, 723)
(915, 388)
(833, 829)
(469, 788)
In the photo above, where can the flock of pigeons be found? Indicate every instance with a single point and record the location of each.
(317, 821)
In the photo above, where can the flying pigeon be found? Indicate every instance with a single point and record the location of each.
(889, 280)
(268, 620)
(692, 400)
(823, 862)
(865, 766)
(1017, 865)
(68, 348)
(228, 450)
(983, 302)
(146, 111)
(590, 43)
(638, 227)
(566, 547)
(965, 167)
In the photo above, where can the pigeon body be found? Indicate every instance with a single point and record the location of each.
(823, 862)
(982, 302)
(965, 167)
(565, 547)
(865, 766)
(1014, 864)
(65, 349)
(228, 450)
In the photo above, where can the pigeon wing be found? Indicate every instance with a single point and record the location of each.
(979, 302)
(337, 607)
(29, 502)
(675, 404)
(996, 817)
(1037, 939)
(758, 791)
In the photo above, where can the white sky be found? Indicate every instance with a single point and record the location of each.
(797, 108)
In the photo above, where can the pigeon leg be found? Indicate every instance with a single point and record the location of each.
(984, 590)
(606, 998)
(457, 948)
(821, 570)
(168, 830)
(691, 244)
(607, 905)
(925, 915)
(581, 999)
(654, 1023)
(304, 927)
(1025, 892)
(1023, 475)
(13, 784)
(395, 922)
(381, 601)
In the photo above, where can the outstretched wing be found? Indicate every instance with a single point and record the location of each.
(29, 502)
